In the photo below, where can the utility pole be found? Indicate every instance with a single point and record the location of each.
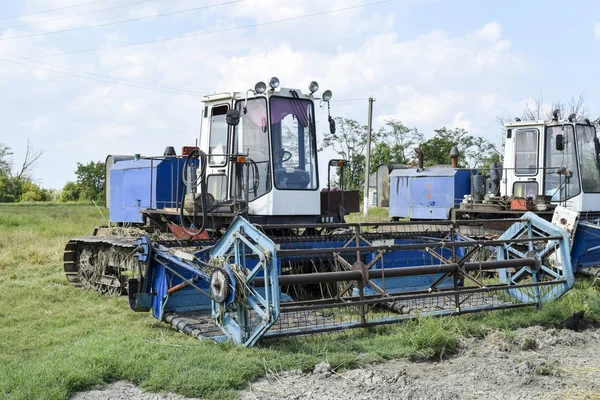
(368, 157)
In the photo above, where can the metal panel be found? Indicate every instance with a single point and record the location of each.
(431, 197)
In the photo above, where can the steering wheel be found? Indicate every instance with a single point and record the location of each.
(285, 156)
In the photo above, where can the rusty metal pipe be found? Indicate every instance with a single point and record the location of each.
(415, 246)
(419, 158)
(454, 154)
(321, 277)
(183, 285)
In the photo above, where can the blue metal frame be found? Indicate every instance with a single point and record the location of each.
(555, 251)
(247, 320)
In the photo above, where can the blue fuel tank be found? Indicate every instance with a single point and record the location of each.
(143, 183)
(429, 193)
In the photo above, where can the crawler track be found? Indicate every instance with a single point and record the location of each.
(100, 263)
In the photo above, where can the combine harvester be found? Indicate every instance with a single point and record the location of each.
(233, 240)
(551, 168)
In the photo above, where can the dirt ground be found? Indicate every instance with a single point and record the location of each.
(532, 363)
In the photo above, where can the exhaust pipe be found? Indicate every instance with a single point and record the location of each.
(419, 158)
(454, 154)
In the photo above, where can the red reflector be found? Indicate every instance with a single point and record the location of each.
(186, 150)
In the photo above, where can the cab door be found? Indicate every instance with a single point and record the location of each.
(218, 145)
(523, 162)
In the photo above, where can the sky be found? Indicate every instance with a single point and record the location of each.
(86, 91)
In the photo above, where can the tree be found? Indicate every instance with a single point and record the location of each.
(381, 153)
(481, 153)
(90, 180)
(474, 151)
(349, 141)
(437, 149)
(31, 157)
(10, 189)
(5, 160)
(401, 140)
(17, 185)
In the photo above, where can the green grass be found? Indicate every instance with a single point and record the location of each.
(55, 339)
(376, 214)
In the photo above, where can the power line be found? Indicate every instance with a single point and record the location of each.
(120, 22)
(355, 99)
(54, 9)
(77, 15)
(102, 80)
(387, 103)
(103, 76)
(216, 31)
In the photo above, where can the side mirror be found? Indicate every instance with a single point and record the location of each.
(232, 117)
(560, 142)
(331, 125)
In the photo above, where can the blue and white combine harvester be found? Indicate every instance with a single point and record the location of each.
(233, 240)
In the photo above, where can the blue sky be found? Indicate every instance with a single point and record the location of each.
(428, 63)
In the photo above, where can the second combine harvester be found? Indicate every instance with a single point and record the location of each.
(233, 240)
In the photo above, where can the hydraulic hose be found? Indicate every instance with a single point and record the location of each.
(192, 184)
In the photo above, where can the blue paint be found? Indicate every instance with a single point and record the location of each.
(557, 252)
(144, 184)
(586, 246)
(428, 194)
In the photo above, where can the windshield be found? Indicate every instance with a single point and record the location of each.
(588, 158)
(251, 138)
(561, 180)
(294, 143)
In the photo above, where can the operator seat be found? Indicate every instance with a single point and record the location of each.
(291, 178)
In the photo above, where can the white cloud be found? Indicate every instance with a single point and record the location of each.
(434, 78)
(490, 31)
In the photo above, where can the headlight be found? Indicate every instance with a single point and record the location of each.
(327, 95)
(260, 87)
(313, 87)
(274, 83)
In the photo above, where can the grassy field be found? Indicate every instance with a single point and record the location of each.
(55, 339)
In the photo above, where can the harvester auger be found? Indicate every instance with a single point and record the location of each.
(247, 286)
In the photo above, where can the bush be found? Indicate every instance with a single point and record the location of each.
(70, 192)
(31, 195)
(32, 192)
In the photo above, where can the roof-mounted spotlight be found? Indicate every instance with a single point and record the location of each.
(517, 119)
(274, 82)
(587, 121)
(260, 87)
(555, 115)
(313, 87)
(327, 95)
(572, 117)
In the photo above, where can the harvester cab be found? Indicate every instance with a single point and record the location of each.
(256, 156)
(555, 162)
(262, 149)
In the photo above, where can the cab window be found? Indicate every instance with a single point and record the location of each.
(526, 151)
(218, 136)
